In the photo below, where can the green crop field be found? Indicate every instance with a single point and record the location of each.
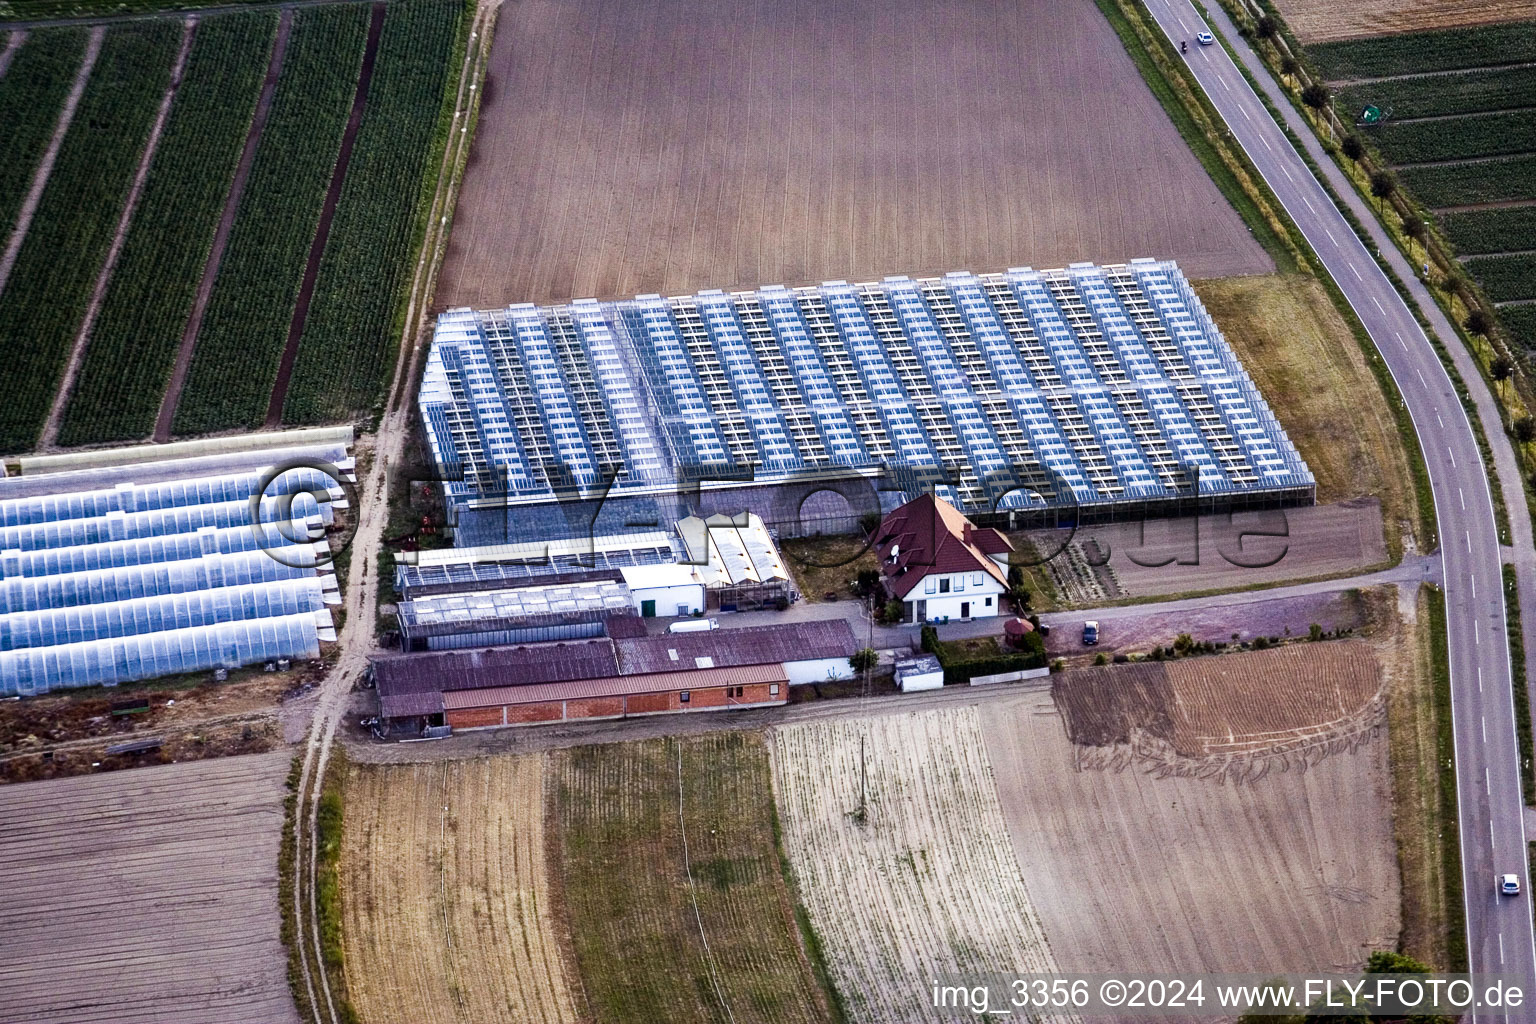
(344, 355)
(1418, 52)
(1521, 321)
(61, 256)
(129, 356)
(1513, 178)
(31, 95)
(1501, 229)
(246, 325)
(20, 9)
(1505, 278)
(1470, 92)
(1457, 138)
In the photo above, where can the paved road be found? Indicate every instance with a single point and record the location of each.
(1492, 822)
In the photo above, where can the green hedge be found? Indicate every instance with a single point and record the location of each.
(1505, 278)
(960, 667)
(1462, 184)
(133, 346)
(246, 326)
(1417, 52)
(56, 269)
(344, 354)
(1503, 229)
(31, 95)
(1466, 93)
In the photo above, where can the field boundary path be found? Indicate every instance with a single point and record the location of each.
(356, 640)
(13, 42)
(45, 166)
(50, 432)
(221, 235)
(327, 214)
(1500, 937)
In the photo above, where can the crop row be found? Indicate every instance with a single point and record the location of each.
(83, 8)
(246, 325)
(31, 95)
(1521, 321)
(1505, 278)
(1502, 229)
(344, 355)
(60, 258)
(1417, 52)
(1458, 138)
(1470, 92)
(1464, 184)
(131, 350)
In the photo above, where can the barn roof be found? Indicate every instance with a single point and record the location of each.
(413, 684)
(750, 645)
(613, 686)
(928, 535)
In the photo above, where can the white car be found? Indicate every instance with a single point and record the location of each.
(1509, 885)
(1205, 39)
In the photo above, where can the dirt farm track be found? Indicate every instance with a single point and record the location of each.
(633, 146)
(147, 895)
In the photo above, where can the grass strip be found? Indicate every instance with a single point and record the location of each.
(246, 326)
(61, 256)
(1445, 749)
(1521, 685)
(132, 349)
(345, 354)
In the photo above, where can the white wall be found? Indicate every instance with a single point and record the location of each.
(817, 670)
(963, 589)
(922, 681)
(668, 598)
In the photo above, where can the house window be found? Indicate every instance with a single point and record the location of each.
(773, 689)
(930, 585)
(683, 697)
(989, 602)
(975, 579)
(944, 585)
(960, 584)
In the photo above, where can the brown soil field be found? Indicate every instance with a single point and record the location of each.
(676, 901)
(924, 885)
(1293, 871)
(1299, 696)
(1311, 371)
(448, 914)
(1324, 21)
(146, 896)
(671, 145)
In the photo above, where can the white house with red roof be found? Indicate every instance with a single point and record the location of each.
(939, 564)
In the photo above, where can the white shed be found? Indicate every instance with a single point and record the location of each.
(667, 589)
(920, 672)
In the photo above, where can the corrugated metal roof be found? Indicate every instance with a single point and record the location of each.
(750, 645)
(655, 682)
(403, 678)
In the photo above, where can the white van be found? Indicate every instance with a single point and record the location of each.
(693, 625)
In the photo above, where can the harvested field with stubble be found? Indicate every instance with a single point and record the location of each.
(1294, 870)
(677, 905)
(926, 885)
(1322, 21)
(457, 902)
(666, 146)
(147, 895)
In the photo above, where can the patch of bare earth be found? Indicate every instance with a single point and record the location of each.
(631, 146)
(1325, 21)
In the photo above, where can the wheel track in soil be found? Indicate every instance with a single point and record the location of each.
(356, 640)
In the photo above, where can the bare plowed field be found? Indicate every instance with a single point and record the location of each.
(1293, 871)
(924, 884)
(670, 145)
(1324, 21)
(446, 895)
(677, 906)
(146, 896)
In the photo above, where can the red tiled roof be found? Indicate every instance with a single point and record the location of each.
(655, 682)
(931, 536)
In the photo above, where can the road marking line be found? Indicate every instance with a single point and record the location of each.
(1468, 534)
(1329, 233)
(1287, 171)
(1479, 679)
(1309, 203)
(1462, 496)
(1224, 84)
(1244, 111)
(1266, 143)
(1400, 340)
(1426, 384)
(1477, 638)
(1473, 578)
(1356, 273)
(1378, 306)
(1487, 783)
(1453, 461)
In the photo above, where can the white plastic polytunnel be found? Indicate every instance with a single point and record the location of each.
(149, 655)
(147, 564)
